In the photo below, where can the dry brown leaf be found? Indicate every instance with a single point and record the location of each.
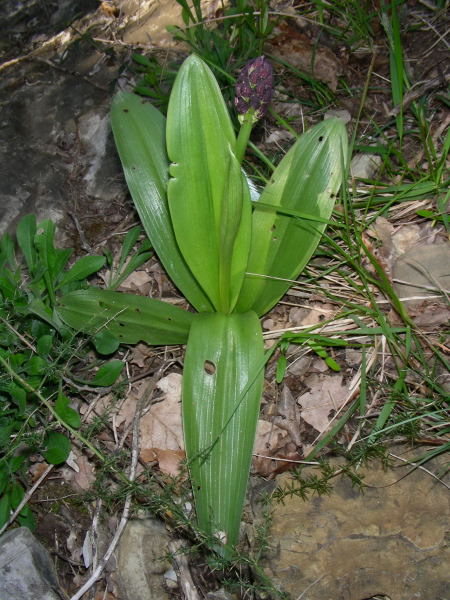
(37, 470)
(137, 281)
(312, 315)
(288, 415)
(169, 461)
(274, 451)
(141, 352)
(318, 61)
(326, 394)
(161, 429)
(126, 412)
(85, 476)
(101, 405)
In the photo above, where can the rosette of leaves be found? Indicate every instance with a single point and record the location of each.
(186, 180)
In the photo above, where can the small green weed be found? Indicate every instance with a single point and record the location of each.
(37, 353)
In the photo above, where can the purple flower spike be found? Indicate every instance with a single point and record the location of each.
(254, 88)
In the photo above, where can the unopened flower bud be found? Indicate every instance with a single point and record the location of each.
(254, 88)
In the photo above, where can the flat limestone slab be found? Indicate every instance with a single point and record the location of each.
(392, 540)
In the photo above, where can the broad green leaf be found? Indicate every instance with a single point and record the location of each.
(222, 385)
(108, 373)
(44, 345)
(105, 342)
(85, 266)
(139, 133)
(66, 412)
(307, 179)
(127, 317)
(25, 232)
(57, 448)
(38, 308)
(209, 200)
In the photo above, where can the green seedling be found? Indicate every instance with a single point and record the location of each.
(231, 254)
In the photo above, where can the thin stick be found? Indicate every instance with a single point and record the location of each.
(182, 569)
(125, 513)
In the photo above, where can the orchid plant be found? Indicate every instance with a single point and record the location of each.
(231, 251)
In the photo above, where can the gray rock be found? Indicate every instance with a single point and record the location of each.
(422, 271)
(57, 153)
(392, 540)
(26, 570)
(141, 563)
(365, 166)
(342, 114)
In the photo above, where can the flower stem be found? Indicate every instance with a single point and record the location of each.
(244, 134)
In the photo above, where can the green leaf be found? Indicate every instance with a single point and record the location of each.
(36, 366)
(108, 373)
(7, 254)
(222, 385)
(134, 263)
(38, 308)
(5, 509)
(58, 448)
(26, 518)
(208, 194)
(127, 317)
(307, 179)
(52, 259)
(127, 246)
(18, 396)
(17, 493)
(105, 342)
(17, 461)
(65, 412)
(281, 368)
(25, 232)
(139, 133)
(4, 476)
(44, 345)
(85, 266)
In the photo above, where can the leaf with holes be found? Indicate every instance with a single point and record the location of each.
(129, 318)
(222, 386)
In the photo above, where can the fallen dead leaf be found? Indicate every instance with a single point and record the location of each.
(312, 315)
(288, 415)
(318, 61)
(37, 470)
(141, 352)
(273, 450)
(138, 281)
(161, 429)
(85, 476)
(326, 394)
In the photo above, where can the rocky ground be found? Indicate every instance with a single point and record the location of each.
(59, 161)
